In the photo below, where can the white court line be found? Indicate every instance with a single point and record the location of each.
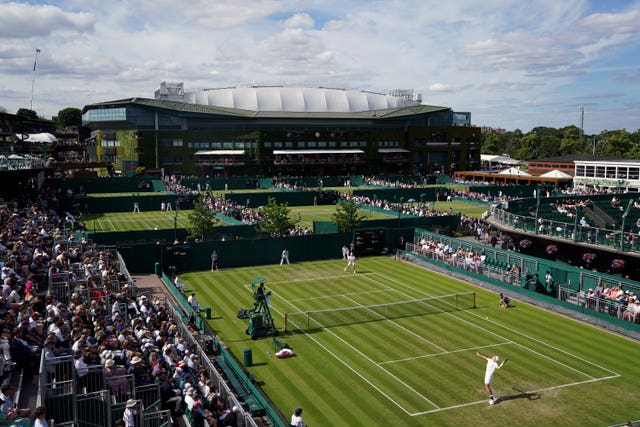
(335, 295)
(406, 359)
(111, 223)
(410, 332)
(352, 369)
(502, 337)
(615, 374)
(315, 279)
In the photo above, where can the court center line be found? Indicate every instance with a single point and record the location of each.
(444, 353)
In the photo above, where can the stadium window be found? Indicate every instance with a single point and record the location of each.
(590, 171)
(178, 142)
(239, 145)
(353, 144)
(633, 173)
(267, 144)
(363, 144)
(191, 145)
(600, 172)
(302, 144)
(312, 144)
(228, 145)
(580, 170)
(216, 144)
(344, 144)
(322, 144)
(278, 144)
(288, 144)
(332, 144)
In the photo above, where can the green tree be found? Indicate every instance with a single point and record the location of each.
(276, 221)
(346, 216)
(68, 117)
(27, 113)
(528, 146)
(571, 143)
(492, 143)
(2, 109)
(202, 219)
(615, 143)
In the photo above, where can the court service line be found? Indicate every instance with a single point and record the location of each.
(508, 329)
(315, 279)
(336, 295)
(444, 353)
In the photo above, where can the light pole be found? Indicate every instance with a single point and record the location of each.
(535, 226)
(33, 77)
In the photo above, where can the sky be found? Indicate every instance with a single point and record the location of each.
(513, 64)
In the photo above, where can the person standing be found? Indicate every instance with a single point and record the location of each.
(214, 260)
(345, 252)
(296, 418)
(284, 257)
(351, 262)
(136, 207)
(130, 412)
(492, 365)
(163, 207)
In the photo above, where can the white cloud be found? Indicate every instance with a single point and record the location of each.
(23, 20)
(299, 20)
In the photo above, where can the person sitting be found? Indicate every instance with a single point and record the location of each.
(505, 301)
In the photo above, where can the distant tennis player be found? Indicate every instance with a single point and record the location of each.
(351, 262)
(492, 365)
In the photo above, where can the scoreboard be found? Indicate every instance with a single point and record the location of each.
(370, 242)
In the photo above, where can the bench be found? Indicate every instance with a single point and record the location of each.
(233, 379)
(254, 407)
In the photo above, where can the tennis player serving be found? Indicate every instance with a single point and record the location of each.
(492, 365)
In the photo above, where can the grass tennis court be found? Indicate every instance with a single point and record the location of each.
(421, 369)
(149, 220)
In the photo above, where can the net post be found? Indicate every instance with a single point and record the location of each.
(474, 300)
(457, 305)
(308, 321)
(286, 323)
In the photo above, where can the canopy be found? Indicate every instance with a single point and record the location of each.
(37, 137)
(556, 174)
(494, 158)
(346, 151)
(219, 152)
(513, 171)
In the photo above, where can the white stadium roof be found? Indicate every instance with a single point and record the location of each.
(295, 99)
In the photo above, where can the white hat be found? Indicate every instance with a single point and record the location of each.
(135, 360)
(131, 403)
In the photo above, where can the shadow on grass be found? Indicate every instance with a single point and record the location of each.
(520, 395)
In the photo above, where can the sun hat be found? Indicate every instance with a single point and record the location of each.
(136, 360)
(131, 403)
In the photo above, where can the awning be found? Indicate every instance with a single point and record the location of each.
(392, 150)
(556, 174)
(318, 152)
(514, 172)
(37, 137)
(504, 160)
(219, 153)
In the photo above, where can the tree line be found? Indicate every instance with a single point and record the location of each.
(542, 142)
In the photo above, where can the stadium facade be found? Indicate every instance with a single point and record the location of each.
(281, 130)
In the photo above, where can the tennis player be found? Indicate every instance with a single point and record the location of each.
(351, 262)
(492, 365)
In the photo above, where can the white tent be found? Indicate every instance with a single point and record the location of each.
(556, 174)
(501, 160)
(38, 137)
(513, 171)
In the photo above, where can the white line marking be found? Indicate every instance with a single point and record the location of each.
(336, 295)
(406, 359)
(316, 279)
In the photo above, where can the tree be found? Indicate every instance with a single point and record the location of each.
(2, 109)
(202, 219)
(571, 142)
(346, 216)
(69, 116)
(276, 221)
(27, 113)
(616, 143)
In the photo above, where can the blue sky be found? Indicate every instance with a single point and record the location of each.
(512, 64)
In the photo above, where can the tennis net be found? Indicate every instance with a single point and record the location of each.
(318, 319)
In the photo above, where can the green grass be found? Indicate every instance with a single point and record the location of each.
(469, 209)
(422, 370)
(128, 221)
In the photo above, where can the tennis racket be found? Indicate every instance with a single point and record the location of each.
(505, 362)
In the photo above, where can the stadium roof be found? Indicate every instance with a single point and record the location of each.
(295, 99)
(182, 108)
